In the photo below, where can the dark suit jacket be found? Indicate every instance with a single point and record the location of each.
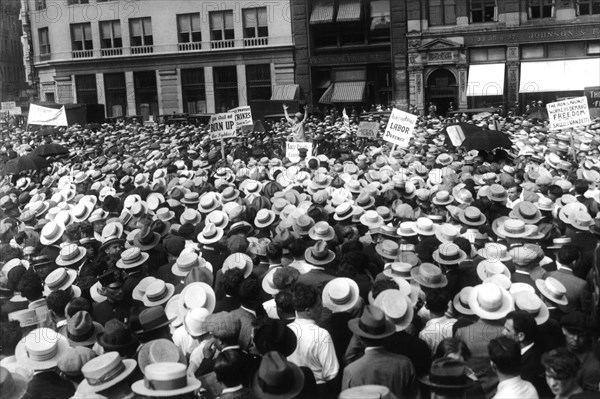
(226, 304)
(315, 278)
(533, 371)
(524, 278)
(336, 324)
(380, 367)
(575, 287)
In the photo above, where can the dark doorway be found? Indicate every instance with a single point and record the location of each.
(441, 89)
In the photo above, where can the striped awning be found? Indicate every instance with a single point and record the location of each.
(348, 92)
(285, 92)
(349, 11)
(322, 12)
(326, 97)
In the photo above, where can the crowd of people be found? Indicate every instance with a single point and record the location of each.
(141, 264)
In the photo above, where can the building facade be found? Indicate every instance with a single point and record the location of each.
(480, 53)
(452, 53)
(12, 72)
(350, 51)
(162, 57)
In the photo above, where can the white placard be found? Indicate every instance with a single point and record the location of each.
(568, 113)
(368, 129)
(15, 111)
(243, 116)
(456, 134)
(400, 128)
(222, 126)
(6, 105)
(292, 153)
(46, 116)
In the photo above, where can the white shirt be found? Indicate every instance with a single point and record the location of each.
(526, 348)
(314, 350)
(184, 341)
(515, 388)
(436, 330)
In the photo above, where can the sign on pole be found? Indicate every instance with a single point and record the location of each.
(368, 129)
(14, 111)
(400, 128)
(46, 116)
(243, 116)
(6, 105)
(222, 126)
(292, 153)
(568, 113)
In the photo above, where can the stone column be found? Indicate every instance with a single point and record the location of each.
(100, 91)
(512, 77)
(130, 89)
(242, 86)
(462, 86)
(399, 53)
(209, 87)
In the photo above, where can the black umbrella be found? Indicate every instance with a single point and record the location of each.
(538, 114)
(48, 150)
(26, 162)
(473, 137)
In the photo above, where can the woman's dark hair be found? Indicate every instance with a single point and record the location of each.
(452, 345)
(561, 363)
(229, 368)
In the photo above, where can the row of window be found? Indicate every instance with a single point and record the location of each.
(10, 48)
(537, 51)
(140, 30)
(443, 12)
(258, 87)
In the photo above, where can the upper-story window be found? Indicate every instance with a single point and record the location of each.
(40, 5)
(110, 34)
(141, 31)
(483, 11)
(255, 22)
(588, 7)
(442, 12)
(380, 20)
(81, 37)
(541, 9)
(44, 39)
(188, 28)
(221, 25)
(72, 2)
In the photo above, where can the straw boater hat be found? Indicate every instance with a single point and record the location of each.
(529, 302)
(70, 254)
(371, 219)
(424, 226)
(105, 371)
(553, 290)
(366, 392)
(196, 295)
(397, 307)
(51, 233)
(210, 234)
(157, 293)
(321, 231)
(449, 254)
(490, 302)
(527, 212)
(61, 279)
(340, 294)
(41, 349)
(461, 301)
(219, 218)
(472, 216)
(487, 269)
(240, 261)
(494, 252)
(515, 228)
(318, 254)
(132, 257)
(185, 263)
(264, 218)
(429, 275)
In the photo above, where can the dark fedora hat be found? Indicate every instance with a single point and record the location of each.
(117, 336)
(146, 239)
(447, 373)
(277, 378)
(275, 335)
(372, 324)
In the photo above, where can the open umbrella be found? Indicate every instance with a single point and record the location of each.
(473, 137)
(48, 150)
(538, 114)
(26, 162)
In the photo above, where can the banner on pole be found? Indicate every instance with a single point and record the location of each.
(222, 126)
(47, 116)
(400, 128)
(568, 113)
(292, 153)
(368, 129)
(243, 116)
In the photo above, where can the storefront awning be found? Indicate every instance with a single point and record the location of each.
(486, 80)
(326, 97)
(349, 11)
(322, 12)
(285, 92)
(348, 92)
(563, 75)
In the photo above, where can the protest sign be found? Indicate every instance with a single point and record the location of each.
(568, 113)
(6, 105)
(456, 134)
(243, 116)
(400, 128)
(222, 126)
(292, 153)
(368, 129)
(15, 111)
(46, 116)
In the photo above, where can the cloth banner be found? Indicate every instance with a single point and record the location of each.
(368, 129)
(400, 128)
(47, 116)
(568, 113)
(222, 126)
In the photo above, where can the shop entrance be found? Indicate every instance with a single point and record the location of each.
(441, 89)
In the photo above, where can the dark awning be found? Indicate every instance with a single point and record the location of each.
(322, 12)
(349, 11)
(285, 92)
(348, 92)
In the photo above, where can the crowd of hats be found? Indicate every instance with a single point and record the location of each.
(154, 233)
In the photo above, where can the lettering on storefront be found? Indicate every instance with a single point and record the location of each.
(351, 58)
(440, 56)
(539, 35)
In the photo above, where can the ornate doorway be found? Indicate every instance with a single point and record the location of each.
(441, 89)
